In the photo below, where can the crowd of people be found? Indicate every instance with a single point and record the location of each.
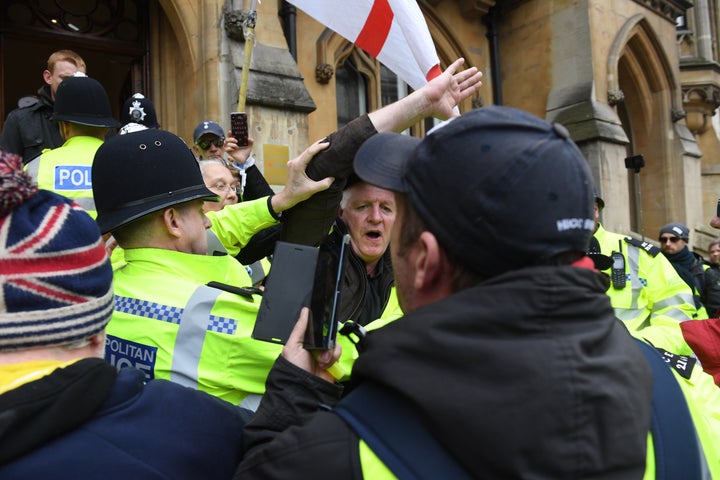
(490, 326)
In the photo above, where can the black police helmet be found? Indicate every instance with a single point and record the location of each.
(83, 100)
(141, 173)
(138, 109)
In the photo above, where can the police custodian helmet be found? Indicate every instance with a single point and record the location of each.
(138, 109)
(141, 173)
(83, 100)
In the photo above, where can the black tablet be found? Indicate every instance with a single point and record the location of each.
(287, 289)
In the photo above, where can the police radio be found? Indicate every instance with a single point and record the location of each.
(617, 273)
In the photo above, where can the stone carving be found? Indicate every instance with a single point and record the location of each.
(234, 21)
(615, 97)
(323, 73)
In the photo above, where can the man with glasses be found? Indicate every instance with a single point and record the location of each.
(220, 180)
(689, 265)
(209, 140)
(645, 290)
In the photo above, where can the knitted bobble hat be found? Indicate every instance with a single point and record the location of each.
(55, 277)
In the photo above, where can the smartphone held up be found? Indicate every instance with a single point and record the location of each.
(239, 128)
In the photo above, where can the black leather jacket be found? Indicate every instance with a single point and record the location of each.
(28, 130)
(354, 299)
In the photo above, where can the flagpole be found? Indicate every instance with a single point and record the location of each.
(249, 32)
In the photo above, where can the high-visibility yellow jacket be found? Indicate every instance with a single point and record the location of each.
(703, 400)
(66, 170)
(170, 324)
(655, 298)
(349, 350)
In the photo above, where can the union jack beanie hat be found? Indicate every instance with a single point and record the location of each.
(55, 277)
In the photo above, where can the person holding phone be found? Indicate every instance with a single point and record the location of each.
(210, 142)
(509, 351)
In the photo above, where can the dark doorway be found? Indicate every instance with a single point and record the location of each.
(110, 35)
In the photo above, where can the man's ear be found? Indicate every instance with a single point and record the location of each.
(47, 76)
(430, 263)
(173, 222)
(97, 344)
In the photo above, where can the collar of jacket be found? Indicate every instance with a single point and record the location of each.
(46, 408)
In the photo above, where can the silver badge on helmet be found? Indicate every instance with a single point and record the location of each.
(137, 112)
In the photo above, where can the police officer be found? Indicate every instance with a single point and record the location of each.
(646, 291)
(137, 113)
(83, 112)
(181, 314)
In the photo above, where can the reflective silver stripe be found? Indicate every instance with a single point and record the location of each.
(627, 314)
(32, 169)
(251, 402)
(257, 272)
(632, 312)
(637, 286)
(214, 245)
(86, 203)
(191, 336)
(675, 313)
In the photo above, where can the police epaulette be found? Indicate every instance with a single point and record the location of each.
(682, 364)
(647, 246)
(246, 292)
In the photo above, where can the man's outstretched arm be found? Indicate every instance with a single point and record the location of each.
(309, 221)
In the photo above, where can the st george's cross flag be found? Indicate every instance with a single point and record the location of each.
(393, 31)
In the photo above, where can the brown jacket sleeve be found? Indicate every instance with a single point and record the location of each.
(308, 222)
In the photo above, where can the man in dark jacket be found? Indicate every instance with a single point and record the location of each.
(64, 412)
(689, 265)
(367, 213)
(509, 351)
(29, 130)
(711, 296)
